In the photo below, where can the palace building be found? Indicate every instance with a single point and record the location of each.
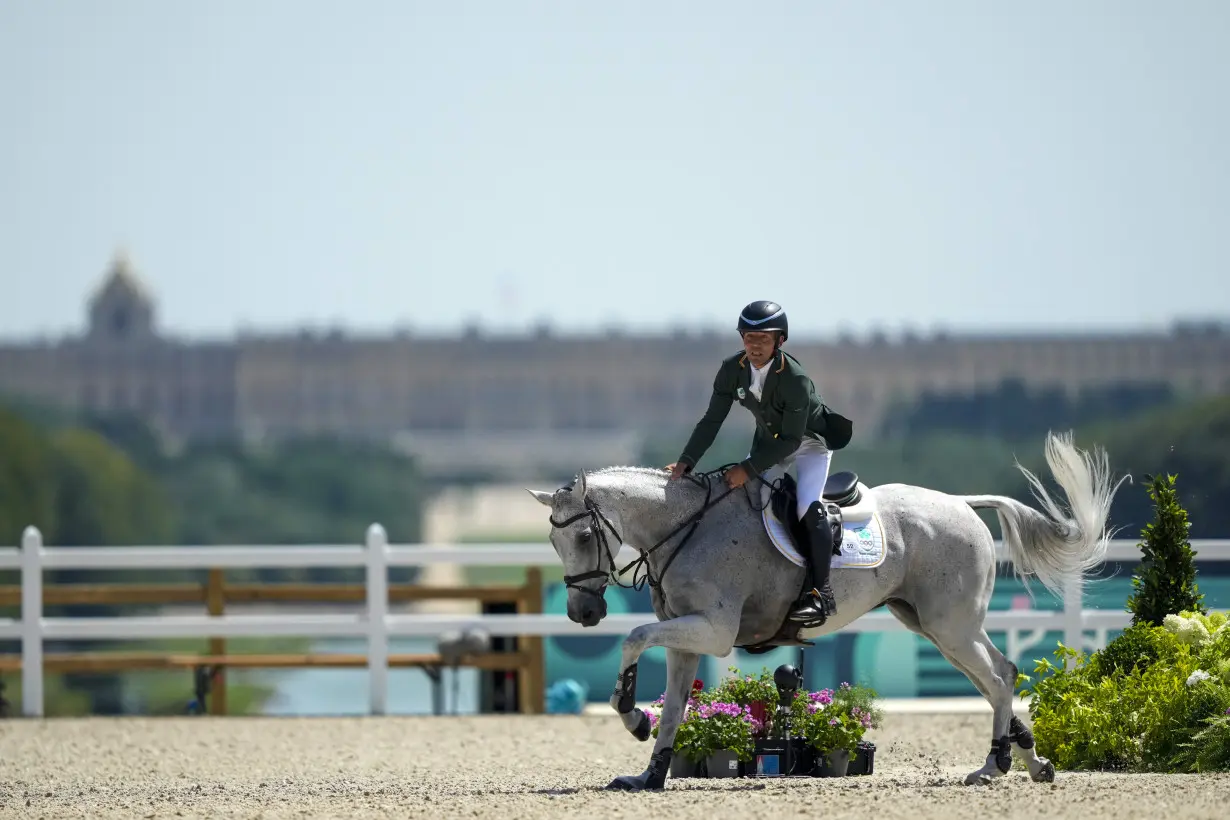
(517, 403)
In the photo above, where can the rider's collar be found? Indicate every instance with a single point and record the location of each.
(778, 358)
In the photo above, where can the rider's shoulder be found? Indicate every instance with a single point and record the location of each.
(791, 365)
(735, 361)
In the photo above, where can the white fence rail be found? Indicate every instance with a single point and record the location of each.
(1025, 628)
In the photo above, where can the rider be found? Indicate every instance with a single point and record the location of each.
(792, 426)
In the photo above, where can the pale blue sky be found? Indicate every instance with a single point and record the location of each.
(970, 165)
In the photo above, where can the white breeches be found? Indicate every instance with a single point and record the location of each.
(811, 461)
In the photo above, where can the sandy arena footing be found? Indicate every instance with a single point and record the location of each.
(504, 767)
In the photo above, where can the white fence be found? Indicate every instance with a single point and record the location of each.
(1025, 628)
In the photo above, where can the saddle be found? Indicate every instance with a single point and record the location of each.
(841, 490)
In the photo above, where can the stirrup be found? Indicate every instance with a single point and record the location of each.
(812, 610)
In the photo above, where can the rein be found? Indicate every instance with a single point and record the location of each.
(600, 520)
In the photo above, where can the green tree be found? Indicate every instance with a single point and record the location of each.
(1165, 582)
(27, 479)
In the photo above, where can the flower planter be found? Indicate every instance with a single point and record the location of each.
(723, 763)
(740, 715)
(682, 767)
(775, 757)
(863, 761)
(832, 764)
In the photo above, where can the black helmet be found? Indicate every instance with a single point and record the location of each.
(764, 315)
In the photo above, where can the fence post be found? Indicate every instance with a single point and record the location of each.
(32, 622)
(215, 603)
(1073, 618)
(532, 684)
(377, 625)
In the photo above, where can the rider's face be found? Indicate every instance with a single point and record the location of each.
(759, 345)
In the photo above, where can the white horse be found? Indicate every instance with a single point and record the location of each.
(723, 573)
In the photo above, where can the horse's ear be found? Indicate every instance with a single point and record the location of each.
(544, 498)
(578, 488)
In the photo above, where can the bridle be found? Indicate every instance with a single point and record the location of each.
(600, 524)
(597, 519)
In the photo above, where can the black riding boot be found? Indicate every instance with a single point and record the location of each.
(814, 608)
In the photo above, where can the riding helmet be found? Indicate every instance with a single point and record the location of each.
(764, 315)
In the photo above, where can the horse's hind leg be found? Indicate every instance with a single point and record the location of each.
(972, 652)
(909, 618)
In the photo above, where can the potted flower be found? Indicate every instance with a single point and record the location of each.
(713, 738)
(756, 692)
(833, 724)
(681, 765)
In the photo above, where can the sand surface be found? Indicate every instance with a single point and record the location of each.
(510, 767)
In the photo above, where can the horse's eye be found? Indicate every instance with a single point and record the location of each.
(585, 535)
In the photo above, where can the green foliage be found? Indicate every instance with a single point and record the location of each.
(103, 498)
(305, 491)
(835, 720)
(745, 689)
(1191, 440)
(27, 485)
(710, 727)
(1013, 410)
(1153, 700)
(1165, 582)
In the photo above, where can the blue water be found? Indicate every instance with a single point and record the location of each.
(332, 692)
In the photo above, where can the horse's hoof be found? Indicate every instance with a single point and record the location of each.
(979, 778)
(641, 732)
(633, 783)
(1046, 774)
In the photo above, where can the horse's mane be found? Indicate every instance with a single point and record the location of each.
(654, 471)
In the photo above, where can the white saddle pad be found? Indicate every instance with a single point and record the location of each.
(862, 541)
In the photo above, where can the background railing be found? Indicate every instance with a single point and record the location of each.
(375, 623)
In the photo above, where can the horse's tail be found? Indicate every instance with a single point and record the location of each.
(1057, 547)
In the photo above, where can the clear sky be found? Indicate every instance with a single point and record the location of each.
(388, 164)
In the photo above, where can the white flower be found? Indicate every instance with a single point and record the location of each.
(1197, 676)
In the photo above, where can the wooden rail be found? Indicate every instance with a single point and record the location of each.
(527, 661)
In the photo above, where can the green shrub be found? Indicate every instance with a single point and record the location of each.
(1165, 581)
(1157, 698)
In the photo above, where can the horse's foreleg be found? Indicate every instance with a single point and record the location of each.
(690, 635)
(698, 634)
(680, 672)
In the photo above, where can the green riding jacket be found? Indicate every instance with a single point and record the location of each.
(789, 411)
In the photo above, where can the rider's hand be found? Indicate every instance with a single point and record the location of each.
(736, 476)
(677, 469)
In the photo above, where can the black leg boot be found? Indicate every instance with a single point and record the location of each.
(816, 606)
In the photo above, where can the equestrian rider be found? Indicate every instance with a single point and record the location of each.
(793, 426)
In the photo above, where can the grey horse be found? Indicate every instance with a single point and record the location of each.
(719, 580)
